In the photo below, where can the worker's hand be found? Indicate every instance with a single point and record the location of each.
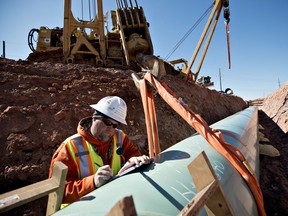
(135, 160)
(103, 175)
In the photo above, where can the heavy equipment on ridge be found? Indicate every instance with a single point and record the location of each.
(129, 43)
(129, 36)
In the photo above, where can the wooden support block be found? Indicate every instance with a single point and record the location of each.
(210, 192)
(197, 203)
(123, 207)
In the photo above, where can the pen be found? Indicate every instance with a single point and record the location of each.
(97, 164)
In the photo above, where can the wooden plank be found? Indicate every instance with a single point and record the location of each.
(123, 207)
(29, 193)
(26, 194)
(210, 192)
(197, 203)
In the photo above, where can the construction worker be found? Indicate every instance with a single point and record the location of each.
(98, 151)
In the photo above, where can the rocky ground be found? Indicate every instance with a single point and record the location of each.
(273, 117)
(42, 102)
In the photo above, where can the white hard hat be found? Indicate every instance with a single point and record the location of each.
(112, 106)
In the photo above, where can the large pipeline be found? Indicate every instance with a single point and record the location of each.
(165, 187)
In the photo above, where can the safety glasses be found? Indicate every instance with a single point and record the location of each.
(108, 123)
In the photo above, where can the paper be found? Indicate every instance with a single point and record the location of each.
(130, 169)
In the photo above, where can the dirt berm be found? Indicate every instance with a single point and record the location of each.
(42, 102)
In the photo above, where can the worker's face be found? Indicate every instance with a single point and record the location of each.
(103, 129)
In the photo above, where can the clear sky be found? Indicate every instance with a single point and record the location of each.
(258, 35)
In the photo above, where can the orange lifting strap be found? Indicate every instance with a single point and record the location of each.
(150, 118)
(228, 43)
(213, 137)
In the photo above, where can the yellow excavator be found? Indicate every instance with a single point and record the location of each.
(128, 43)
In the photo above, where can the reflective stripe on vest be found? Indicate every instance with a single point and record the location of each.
(87, 160)
(82, 154)
(116, 159)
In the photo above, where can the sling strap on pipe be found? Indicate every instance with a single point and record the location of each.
(213, 137)
(150, 118)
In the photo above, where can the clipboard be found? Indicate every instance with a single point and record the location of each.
(132, 169)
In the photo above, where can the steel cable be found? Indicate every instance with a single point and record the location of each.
(188, 33)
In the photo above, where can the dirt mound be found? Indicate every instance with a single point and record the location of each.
(276, 107)
(273, 117)
(42, 102)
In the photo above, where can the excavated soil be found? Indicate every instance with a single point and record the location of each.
(42, 102)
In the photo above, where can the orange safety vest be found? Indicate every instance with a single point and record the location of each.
(87, 160)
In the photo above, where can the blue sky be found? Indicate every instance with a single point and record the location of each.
(258, 34)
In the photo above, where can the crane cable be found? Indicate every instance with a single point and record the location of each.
(188, 32)
(124, 4)
(90, 8)
(94, 8)
(227, 20)
(82, 9)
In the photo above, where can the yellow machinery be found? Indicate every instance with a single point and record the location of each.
(208, 30)
(129, 42)
(48, 39)
(129, 36)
